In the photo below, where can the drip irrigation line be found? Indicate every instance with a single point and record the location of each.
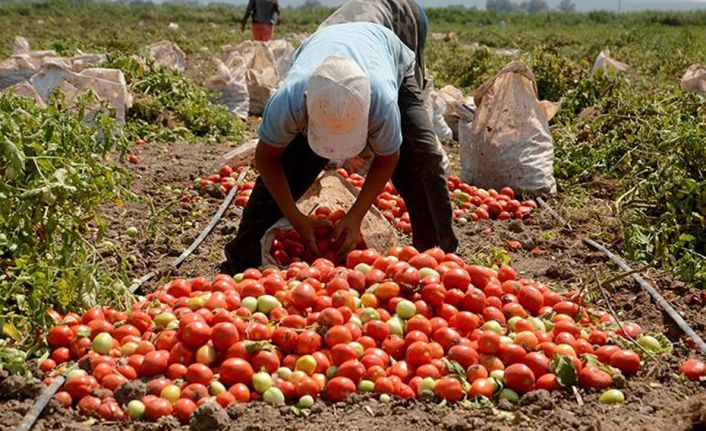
(666, 306)
(142, 280)
(659, 299)
(33, 414)
(214, 221)
(42, 402)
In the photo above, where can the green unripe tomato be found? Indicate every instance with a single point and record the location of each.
(273, 396)
(612, 396)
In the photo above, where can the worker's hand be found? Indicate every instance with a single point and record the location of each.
(306, 227)
(347, 233)
(353, 165)
(242, 26)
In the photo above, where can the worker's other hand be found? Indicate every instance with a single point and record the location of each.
(347, 233)
(307, 229)
(242, 26)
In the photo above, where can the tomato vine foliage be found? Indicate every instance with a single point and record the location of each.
(653, 146)
(55, 172)
(168, 106)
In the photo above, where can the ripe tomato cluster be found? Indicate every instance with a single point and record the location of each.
(223, 181)
(396, 324)
(470, 203)
(287, 246)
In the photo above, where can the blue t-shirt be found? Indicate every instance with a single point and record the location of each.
(378, 52)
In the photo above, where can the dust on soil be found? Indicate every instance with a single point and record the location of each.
(549, 250)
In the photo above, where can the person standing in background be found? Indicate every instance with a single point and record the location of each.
(264, 16)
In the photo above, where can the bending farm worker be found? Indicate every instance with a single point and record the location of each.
(419, 177)
(264, 16)
(341, 94)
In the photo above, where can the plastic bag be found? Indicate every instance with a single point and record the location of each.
(167, 54)
(334, 192)
(20, 46)
(231, 83)
(694, 80)
(262, 74)
(108, 84)
(605, 62)
(509, 143)
(449, 100)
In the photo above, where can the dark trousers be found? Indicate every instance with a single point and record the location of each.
(419, 178)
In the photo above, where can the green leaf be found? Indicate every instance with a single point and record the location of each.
(565, 372)
(11, 331)
(593, 360)
(12, 154)
(455, 368)
(256, 346)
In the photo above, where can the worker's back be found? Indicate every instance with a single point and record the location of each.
(404, 17)
(265, 11)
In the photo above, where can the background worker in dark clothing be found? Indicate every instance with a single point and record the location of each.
(264, 16)
(418, 177)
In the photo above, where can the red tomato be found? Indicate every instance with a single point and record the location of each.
(183, 408)
(351, 369)
(626, 361)
(154, 363)
(464, 355)
(267, 360)
(339, 388)
(59, 336)
(308, 342)
(419, 353)
(240, 392)
(519, 377)
(449, 389)
(89, 404)
(194, 392)
(224, 335)
(548, 382)
(64, 399)
(693, 369)
(199, 373)
(195, 334)
(482, 387)
(158, 408)
(235, 370)
(456, 278)
(594, 378)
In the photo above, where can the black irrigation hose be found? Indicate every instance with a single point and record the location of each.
(41, 402)
(666, 306)
(216, 217)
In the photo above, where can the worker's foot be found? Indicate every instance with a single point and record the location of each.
(225, 267)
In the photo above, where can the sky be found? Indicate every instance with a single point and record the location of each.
(581, 5)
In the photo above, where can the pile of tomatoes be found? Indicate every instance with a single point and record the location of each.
(400, 324)
(222, 182)
(287, 246)
(470, 203)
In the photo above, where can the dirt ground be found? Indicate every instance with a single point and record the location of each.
(551, 250)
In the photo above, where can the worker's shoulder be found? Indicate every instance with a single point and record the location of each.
(357, 27)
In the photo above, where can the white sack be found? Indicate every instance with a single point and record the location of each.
(694, 80)
(509, 143)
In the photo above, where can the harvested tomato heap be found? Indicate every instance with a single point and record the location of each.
(223, 181)
(287, 246)
(470, 203)
(401, 324)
